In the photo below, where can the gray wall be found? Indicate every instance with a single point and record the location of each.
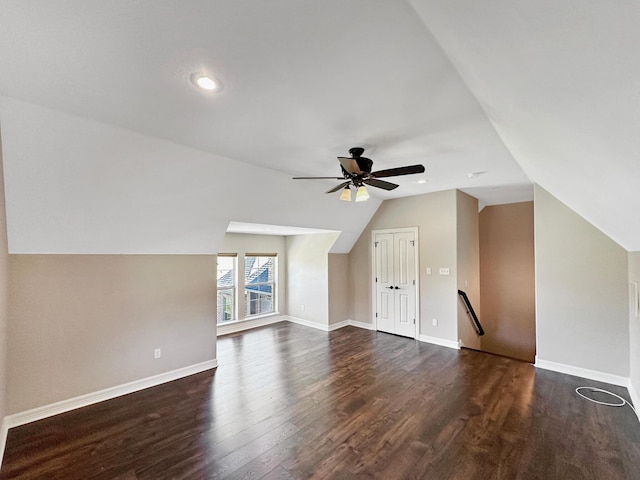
(468, 267)
(4, 308)
(582, 315)
(634, 323)
(338, 287)
(308, 276)
(82, 323)
(435, 216)
(507, 280)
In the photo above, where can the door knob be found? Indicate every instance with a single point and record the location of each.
(396, 287)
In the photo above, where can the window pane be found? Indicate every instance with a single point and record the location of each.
(226, 271)
(258, 270)
(225, 305)
(258, 303)
(226, 290)
(259, 276)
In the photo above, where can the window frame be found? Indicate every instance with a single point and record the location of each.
(272, 284)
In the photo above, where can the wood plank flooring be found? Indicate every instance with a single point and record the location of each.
(290, 402)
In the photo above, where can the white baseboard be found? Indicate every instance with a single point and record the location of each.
(582, 372)
(336, 326)
(328, 328)
(4, 430)
(351, 323)
(635, 398)
(249, 324)
(439, 341)
(63, 406)
(366, 326)
(307, 323)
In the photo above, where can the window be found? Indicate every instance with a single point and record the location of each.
(259, 284)
(226, 288)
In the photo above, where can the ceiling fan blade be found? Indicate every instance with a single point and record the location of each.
(318, 178)
(335, 189)
(380, 184)
(394, 172)
(350, 165)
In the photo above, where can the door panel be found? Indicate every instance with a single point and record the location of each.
(384, 283)
(395, 269)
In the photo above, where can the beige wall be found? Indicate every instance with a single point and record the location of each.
(507, 280)
(4, 308)
(468, 267)
(582, 317)
(82, 323)
(308, 276)
(435, 216)
(634, 324)
(241, 244)
(338, 287)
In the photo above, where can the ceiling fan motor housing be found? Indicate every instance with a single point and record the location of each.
(356, 152)
(364, 164)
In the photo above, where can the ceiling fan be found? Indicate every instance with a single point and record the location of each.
(357, 172)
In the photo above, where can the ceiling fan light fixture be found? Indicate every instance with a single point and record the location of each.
(361, 194)
(346, 194)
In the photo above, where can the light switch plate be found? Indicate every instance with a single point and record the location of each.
(444, 271)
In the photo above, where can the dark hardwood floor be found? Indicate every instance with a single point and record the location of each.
(290, 402)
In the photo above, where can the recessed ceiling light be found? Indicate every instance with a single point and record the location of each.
(422, 181)
(474, 174)
(205, 82)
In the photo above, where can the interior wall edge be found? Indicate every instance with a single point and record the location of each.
(635, 398)
(4, 430)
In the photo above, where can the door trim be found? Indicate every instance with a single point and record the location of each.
(415, 230)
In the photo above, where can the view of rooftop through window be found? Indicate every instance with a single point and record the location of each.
(226, 288)
(259, 284)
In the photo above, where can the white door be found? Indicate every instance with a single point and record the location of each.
(395, 282)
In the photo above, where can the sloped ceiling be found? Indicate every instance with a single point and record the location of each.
(496, 89)
(560, 81)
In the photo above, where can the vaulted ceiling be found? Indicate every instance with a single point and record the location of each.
(513, 91)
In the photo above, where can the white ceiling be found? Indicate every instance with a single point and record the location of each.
(550, 88)
(560, 82)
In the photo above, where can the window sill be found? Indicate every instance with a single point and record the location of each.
(248, 319)
(248, 323)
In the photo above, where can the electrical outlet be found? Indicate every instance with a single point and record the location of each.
(157, 353)
(435, 322)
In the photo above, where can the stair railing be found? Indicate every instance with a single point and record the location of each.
(471, 313)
